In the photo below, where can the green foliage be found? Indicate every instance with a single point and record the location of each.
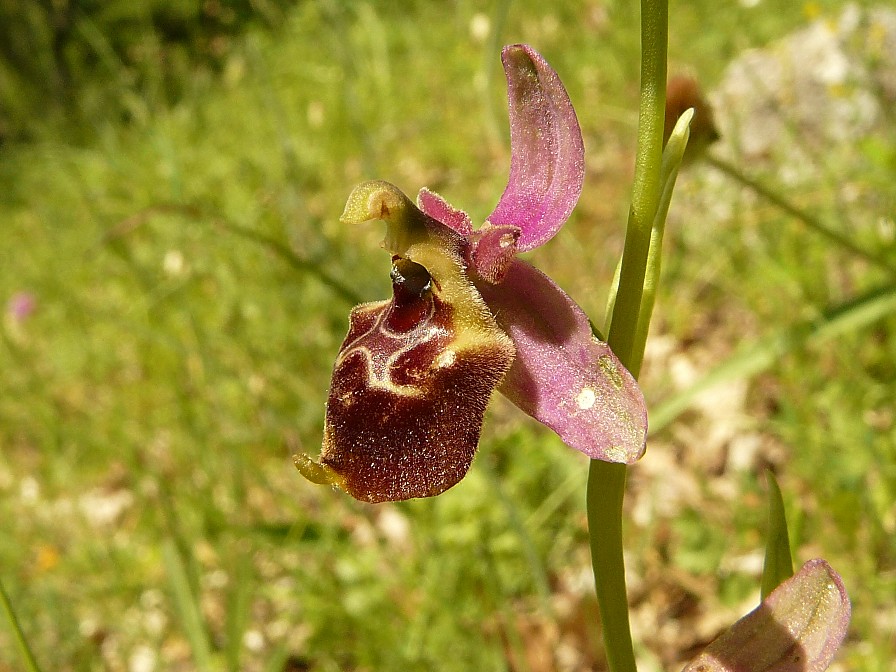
(69, 57)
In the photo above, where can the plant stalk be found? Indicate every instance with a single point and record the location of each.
(606, 481)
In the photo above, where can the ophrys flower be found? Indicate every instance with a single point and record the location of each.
(415, 373)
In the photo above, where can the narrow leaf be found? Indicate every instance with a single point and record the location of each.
(187, 606)
(28, 660)
(854, 314)
(672, 157)
(778, 559)
(239, 602)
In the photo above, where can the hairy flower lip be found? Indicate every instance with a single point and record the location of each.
(406, 405)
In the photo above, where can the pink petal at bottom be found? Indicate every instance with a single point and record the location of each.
(798, 628)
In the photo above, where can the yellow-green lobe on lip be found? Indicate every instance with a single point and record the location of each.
(378, 199)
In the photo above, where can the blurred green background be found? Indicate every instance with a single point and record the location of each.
(175, 286)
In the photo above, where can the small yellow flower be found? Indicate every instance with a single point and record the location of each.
(46, 558)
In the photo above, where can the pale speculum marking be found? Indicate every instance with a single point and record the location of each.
(585, 399)
(378, 339)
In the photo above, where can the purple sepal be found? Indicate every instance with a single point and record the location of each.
(439, 209)
(563, 376)
(547, 162)
(798, 628)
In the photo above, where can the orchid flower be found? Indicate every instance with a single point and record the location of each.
(415, 373)
(797, 628)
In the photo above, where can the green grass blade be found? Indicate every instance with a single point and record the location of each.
(778, 559)
(276, 247)
(537, 570)
(238, 606)
(811, 221)
(28, 659)
(843, 318)
(187, 606)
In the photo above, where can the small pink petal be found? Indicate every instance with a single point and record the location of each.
(563, 376)
(798, 628)
(492, 249)
(547, 164)
(439, 209)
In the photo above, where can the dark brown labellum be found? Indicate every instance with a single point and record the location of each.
(409, 390)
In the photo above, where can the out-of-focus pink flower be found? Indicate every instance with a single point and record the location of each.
(21, 305)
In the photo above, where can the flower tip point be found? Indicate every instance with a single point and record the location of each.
(520, 50)
(316, 472)
(684, 121)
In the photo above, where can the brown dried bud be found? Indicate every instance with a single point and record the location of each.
(682, 93)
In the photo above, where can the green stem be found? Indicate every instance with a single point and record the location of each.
(646, 186)
(606, 488)
(606, 482)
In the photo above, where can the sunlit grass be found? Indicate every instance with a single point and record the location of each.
(150, 404)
